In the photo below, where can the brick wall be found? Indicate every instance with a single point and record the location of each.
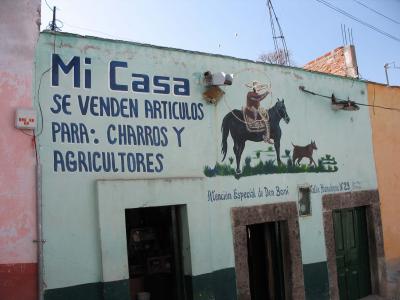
(340, 61)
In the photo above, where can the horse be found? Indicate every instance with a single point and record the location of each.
(234, 123)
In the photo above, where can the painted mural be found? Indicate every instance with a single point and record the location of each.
(256, 123)
(126, 125)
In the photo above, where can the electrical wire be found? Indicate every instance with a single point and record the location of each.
(59, 27)
(38, 101)
(24, 131)
(93, 30)
(35, 135)
(55, 27)
(343, 12)
(391, 64)
(377, 12)
(38, 92)
(302, 88)
(61, 24)
(45, 1)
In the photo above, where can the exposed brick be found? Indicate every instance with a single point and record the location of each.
(333, 62)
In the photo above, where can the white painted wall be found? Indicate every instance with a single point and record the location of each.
(84, 225)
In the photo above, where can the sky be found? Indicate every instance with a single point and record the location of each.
(242, 28)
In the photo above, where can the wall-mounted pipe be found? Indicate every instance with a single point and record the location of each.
(40, 241)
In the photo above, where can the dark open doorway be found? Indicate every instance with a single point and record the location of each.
(282, 216)
(267, 251)
(154, 256)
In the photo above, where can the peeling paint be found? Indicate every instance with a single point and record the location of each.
(87, 47)
(126, 54)
(65, 45)
(17, 162)
(298, 77)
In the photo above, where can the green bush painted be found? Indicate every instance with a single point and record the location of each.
(326, 164)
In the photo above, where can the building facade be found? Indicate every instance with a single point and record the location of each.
(386, 141)
(147, 188)
(383, 114)
(19, 31)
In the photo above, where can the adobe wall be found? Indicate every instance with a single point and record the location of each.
(19, 30)
(386, 140)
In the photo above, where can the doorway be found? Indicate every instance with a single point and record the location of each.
(266, 252)
(353, 210)
(154, 252)
(352, 255)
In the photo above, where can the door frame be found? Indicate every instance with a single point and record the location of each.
(369, 199)
(176, 240)
(113, 197)
(244, 216)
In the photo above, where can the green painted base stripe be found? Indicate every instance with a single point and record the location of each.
(116, 290)
(316, 281)
(90, 291)
(218, 285)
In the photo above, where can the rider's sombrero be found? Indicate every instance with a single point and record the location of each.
(258, 86)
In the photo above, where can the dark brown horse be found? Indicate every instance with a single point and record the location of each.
(234, 123)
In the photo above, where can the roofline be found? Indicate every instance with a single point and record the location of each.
(202, 53)
(383, 84)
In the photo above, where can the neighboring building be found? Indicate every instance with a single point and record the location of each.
(137, 196)
(19, 30)
(340, 61)
(386, 143)
(386, 140)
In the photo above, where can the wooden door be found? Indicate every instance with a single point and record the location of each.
(352, 258)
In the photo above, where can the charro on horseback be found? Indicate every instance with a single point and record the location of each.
(255, 116)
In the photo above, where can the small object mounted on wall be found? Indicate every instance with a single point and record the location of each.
(212, 81)
(304, 201)
(335, 105)
(343, 105)
(219, 78)
(25, 118)
(213, 94)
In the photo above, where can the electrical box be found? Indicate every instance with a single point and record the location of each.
(304, 201)
(25, 118)
(219, 78)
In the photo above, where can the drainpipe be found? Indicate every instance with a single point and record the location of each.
(40, 241)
